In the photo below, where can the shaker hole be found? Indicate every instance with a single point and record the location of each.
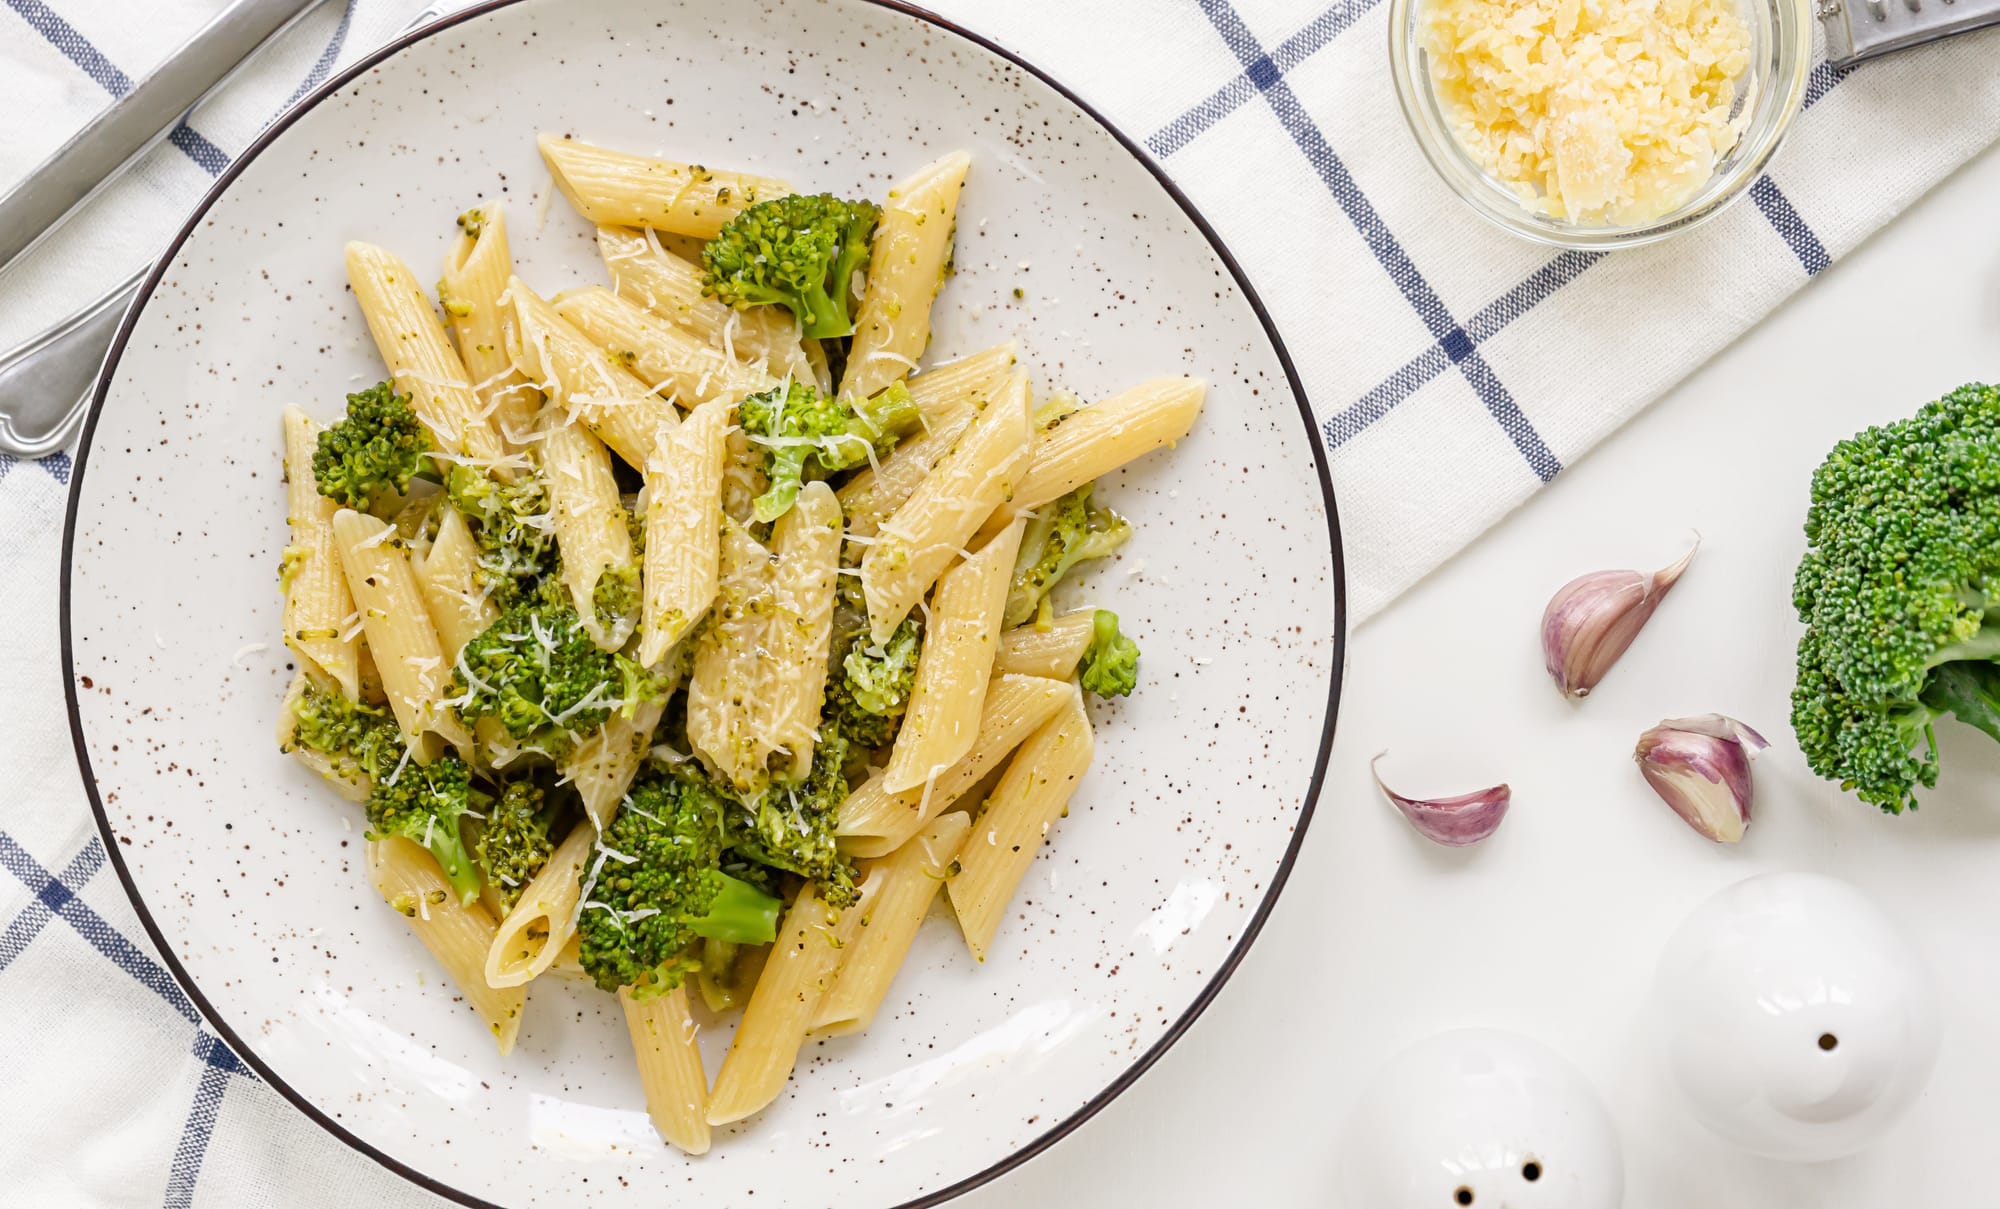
(1828, 1042)
(1463, 1196)
(1531, 1171)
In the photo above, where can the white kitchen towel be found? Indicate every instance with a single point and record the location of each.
(1453, 370)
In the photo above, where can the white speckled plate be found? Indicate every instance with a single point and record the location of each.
(248, 873)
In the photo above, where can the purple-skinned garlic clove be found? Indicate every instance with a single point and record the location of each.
(1592, 619)
(1454, 822)
(1701, 767)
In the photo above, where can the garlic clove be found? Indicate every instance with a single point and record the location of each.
(1592, 619)
(1700, 767)
(1454, 822)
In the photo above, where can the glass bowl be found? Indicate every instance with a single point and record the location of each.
(1772, 88)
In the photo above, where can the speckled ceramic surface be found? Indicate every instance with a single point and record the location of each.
(249, 872)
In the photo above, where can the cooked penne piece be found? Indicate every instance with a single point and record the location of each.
(477, 268)
(1032, 794)
(646, 273)
(683, 367)
(1095, 440)
(1052, 650)
(409, 880)
(683, 529)
(414, 670)
(568, 964)
(909, 879)
(457, 601)
(799, 633)
(956, 665)
(591, 530)
(875, 822)
(906, 267)
(730, 686)
(319, 610)
(797, 973)
(663, 1041)
(603, 765)
(949, 398)
(543, 920)
(419, 354)
(585, 382)
(612, 188)
(937, 520)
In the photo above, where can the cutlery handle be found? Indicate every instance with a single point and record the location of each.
(45, 383)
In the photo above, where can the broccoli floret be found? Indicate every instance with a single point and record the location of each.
(1110, 665)
(538, 672)
(512, 526)
(1062, 534)
(799, 252)
(424, 803)
(790, 827)
(804, 432)
(1899, 590)
(375, 450)
(663, 880)
(361, 741)
(868, 687)
(514, 843)
(615, 599)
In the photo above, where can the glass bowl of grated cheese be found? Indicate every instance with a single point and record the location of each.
(1599, 123)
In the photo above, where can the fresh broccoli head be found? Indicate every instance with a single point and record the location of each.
(361, 741)
(424, 803)
(538, 672)
(661, 883)
(1110, 664)
(512, 526)
(374, 451)
(1062, 534)
(791, 826)
(1899, 590)
(804, 432)
(514, 843)
(800, 252)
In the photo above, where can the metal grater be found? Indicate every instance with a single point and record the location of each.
(1862, 29)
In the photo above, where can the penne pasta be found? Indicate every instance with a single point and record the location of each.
(909, 879)
(941, 515)
(1093, 441)
(419, 355)
(766, 337)
(568, 964)
(531, 936)
(1052, 650)
(683, 529)
(585, 382)
(906, 266)
(414, 670)
(670, 1071)
(591, 530)
(797, 973)
(455, 598)
(686, 369)
(409, 880)
(956, 665)
(1032, 794)
(730, 686)
(477, 267)
(612, 188)
(799, 632)
(875, 822)
(318, 607)
(602, 766)
(949, 398)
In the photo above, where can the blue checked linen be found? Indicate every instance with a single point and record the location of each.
(1452, 369)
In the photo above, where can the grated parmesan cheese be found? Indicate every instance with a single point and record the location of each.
(1591, 110)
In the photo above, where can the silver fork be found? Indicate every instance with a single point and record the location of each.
(45, 384)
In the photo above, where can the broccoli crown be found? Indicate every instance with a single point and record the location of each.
(538, 672)
(660, 882)
(868, 687)
(424, 802)
(615, 599)
(790, 827)
(514, 843)
(1062, 534)
(805, 433)
(375, 450)
(1895, 589)
(360, 740)
(800, 252)
(514, 530)
(1110, 665)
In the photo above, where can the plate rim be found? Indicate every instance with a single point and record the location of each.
(1020, 1155)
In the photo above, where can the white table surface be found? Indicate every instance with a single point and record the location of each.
(1552, 927)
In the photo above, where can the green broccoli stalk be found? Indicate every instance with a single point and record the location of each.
(1110, 664)
(660, 884)
(424, 803)
(1899, 590)
(805, 433)
(361, 741)
(512, 526)
(537, 671)
(514, 844)
(374, 451)
(790, 827)
(868, 687)
(799, 252)
(1062, 534)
